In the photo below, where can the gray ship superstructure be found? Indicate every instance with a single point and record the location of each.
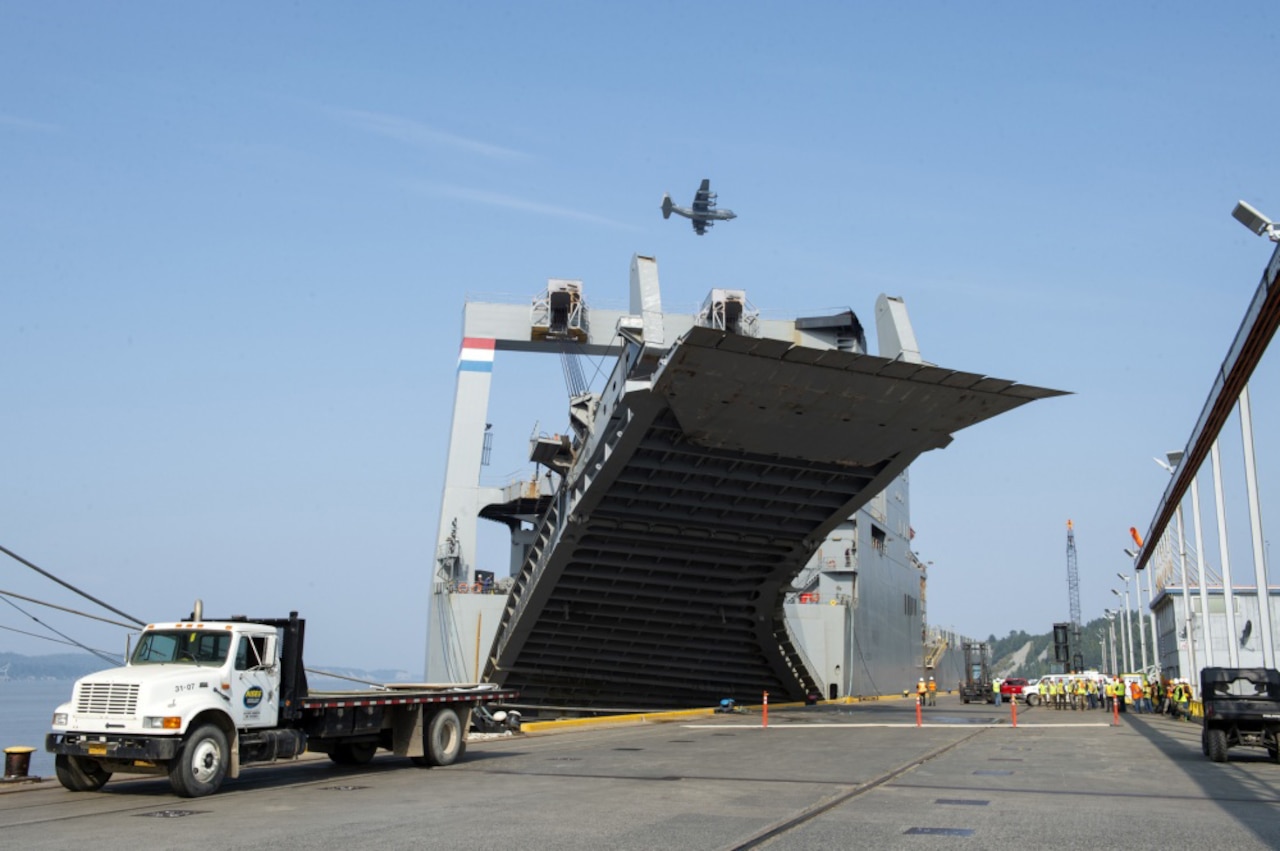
(730, 515)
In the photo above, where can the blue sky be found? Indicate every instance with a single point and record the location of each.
(235, 241)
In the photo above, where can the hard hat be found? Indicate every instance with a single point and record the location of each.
(922, 679)
(931, 678)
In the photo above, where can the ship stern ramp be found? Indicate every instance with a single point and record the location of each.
(658, 573)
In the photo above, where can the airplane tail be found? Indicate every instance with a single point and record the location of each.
(666, 206)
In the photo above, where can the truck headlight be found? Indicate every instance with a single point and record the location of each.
(162, 722)
(60, 719)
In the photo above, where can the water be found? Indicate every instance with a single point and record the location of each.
(26, 708)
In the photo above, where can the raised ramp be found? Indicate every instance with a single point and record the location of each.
(658, 576)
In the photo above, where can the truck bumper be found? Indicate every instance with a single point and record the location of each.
(97, 746)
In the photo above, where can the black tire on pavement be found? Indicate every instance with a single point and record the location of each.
(1216, 744)
(80, 774)
(356, 753)
(446, 740)
(200, 764)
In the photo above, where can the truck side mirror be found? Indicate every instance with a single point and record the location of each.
(269, 656)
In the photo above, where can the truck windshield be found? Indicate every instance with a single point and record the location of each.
(185, 647)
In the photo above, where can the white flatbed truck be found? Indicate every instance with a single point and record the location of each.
(200, 698)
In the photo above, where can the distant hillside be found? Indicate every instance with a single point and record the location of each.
(1020, 654)
(72, 666)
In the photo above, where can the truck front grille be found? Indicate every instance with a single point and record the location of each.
(107, 698)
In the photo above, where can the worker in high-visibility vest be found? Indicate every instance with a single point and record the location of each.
(1117, 695)
(933, 692)
(921, 690)
(1182, 696)
(995, 690)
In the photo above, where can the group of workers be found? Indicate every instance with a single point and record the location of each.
(926, 693)
(1140, 694)
(1094, 691)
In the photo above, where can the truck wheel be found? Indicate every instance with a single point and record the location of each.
(1215, 742)
(79, 774)
(446, 740)
(357, 753)
(1033, 700)
(200, 764)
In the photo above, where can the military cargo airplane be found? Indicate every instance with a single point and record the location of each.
(703, 213)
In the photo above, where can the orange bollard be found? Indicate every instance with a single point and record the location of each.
(1115, 712)
(765, 723)
(1013, 705)
(918, 720)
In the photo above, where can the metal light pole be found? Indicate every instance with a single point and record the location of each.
(1125, 638)
(1111, 633)
(1151, 599)
(1255, 526)
(1188, 625)
(1151, 619)
(1205, 620)
(1228, 591)
(1142, 635)
(1173, 459)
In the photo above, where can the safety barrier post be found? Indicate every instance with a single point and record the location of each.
(1115, 711)
(1013, 705)
(919, 722)
(765, 718)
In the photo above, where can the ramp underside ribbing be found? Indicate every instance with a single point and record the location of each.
(662, 585)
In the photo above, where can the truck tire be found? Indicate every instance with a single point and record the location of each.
(446, 740)
(1215, 742)
(356, 753)
(200, 764)
(79, 774)
(1033, 700)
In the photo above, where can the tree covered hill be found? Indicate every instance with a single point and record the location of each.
(1020, 654)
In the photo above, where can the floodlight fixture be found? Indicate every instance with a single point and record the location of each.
(1175, 457)
(1255, 221)
(1130, 553)
(1123, 578)
(1117, 593)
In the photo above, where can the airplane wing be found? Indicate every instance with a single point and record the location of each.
(705, 200)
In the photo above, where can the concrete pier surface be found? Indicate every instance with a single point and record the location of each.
(828, 776)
